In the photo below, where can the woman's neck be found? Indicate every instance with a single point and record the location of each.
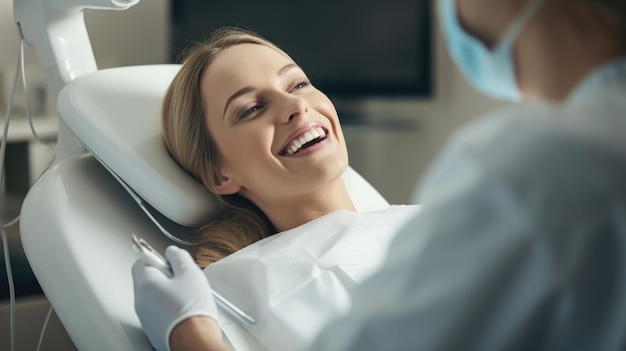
(293, 212)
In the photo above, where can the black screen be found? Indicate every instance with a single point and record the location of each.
(349, 49)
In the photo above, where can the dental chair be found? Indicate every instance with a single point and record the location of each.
(112, 177)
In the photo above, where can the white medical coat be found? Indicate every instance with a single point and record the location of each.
(521, 243)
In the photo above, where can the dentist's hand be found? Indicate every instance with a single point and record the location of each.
(161, 302)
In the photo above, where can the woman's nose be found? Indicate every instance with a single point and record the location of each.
(295, 107)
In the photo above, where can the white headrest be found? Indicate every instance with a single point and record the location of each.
(116, 115)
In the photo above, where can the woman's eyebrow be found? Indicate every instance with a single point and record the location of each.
(237, 94)
(286, 69)
(245, 90)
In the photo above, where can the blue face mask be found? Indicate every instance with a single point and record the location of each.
(492, 72)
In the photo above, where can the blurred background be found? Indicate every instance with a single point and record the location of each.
(394, 125)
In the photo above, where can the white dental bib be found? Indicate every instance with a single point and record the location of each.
(293, 282)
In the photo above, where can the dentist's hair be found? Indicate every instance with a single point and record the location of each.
(616, 9)
(188, 140)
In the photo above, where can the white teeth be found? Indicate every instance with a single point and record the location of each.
(310, 135)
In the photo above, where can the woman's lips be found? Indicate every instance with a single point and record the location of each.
(305, 139)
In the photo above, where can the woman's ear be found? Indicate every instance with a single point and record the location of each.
(224, 185)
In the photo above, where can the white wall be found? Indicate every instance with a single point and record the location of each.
(391, 161)
(8, 34)
(136, 36)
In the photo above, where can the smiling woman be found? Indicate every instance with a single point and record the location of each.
(244, 119)
(259, 135)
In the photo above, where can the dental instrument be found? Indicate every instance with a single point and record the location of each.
(155, 259)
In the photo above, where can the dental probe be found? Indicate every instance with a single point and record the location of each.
(155, 259)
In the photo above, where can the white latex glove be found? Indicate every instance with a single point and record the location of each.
(161, 302)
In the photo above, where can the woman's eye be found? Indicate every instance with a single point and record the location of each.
(247, 112)
(252, 109)
(300, 85)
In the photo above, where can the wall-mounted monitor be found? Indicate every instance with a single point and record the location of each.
(351, 49)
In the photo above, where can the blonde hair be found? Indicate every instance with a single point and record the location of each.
(188, 140)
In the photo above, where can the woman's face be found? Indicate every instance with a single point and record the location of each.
(278, 136)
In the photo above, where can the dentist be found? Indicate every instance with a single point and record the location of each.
(521, 243)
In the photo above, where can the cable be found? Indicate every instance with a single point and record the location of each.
(3, 227)
(7, 261)
(43, 329)
(3, 145)
(27, 105)
(26, 99)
